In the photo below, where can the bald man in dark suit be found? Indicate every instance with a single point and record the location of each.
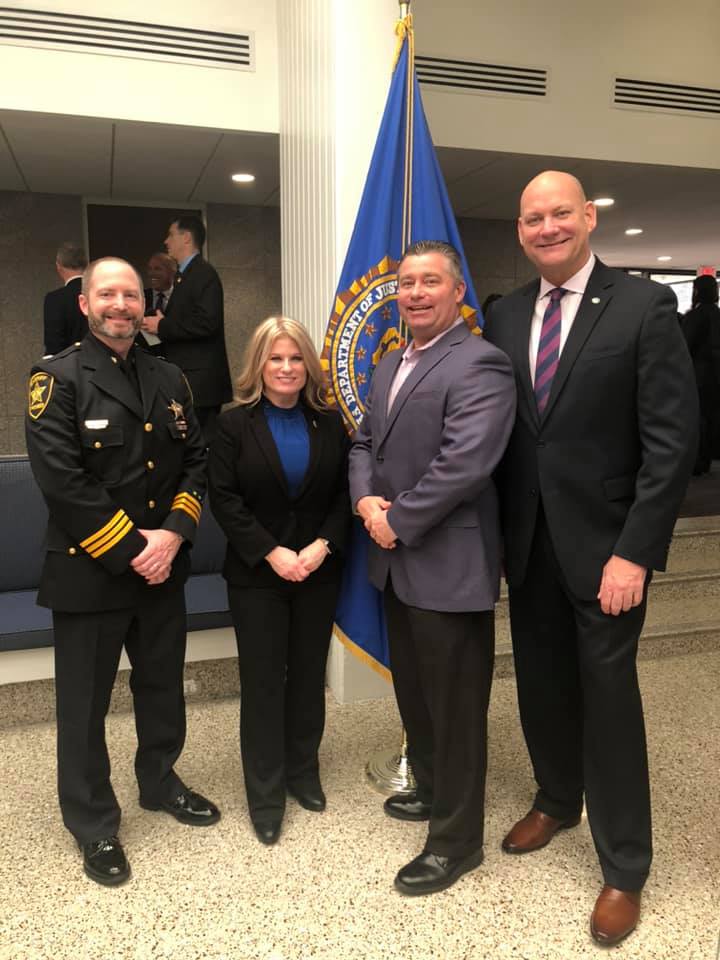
(590, 486)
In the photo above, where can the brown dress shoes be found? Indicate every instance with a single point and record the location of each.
(616, 914)
(534, 831)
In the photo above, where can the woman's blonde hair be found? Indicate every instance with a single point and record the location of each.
(249, 385)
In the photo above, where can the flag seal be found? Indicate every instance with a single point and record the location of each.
(356, 340)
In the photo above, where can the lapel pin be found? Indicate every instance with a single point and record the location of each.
(596, 299)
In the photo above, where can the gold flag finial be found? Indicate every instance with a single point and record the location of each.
(403, 29)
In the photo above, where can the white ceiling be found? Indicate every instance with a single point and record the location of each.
(126, 160)
(678, 208)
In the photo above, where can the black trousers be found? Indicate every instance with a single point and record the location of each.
(283, 636)
(581, 712)
(442, 667)
(87, 653)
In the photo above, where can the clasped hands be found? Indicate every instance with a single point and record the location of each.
(373, 512)
(155, 560)
(622, 585)
(297, 566)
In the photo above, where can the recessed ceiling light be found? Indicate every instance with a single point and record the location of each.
(604, 202)
(664, 259)
(633, 231)
(243, 177)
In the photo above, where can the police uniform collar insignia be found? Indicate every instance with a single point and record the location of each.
(39, 393)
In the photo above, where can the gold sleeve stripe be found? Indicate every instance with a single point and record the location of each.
(109, 528)
(188, 511)
(188, 504)
(189, 507)
(109, 542)
(189, 499)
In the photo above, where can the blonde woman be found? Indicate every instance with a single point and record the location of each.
(278, 488)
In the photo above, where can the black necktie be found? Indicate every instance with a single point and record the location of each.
(160, 301)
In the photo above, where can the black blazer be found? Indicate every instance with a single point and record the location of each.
(250, 499)
(64, 323)
(193, 333)
(613, 452)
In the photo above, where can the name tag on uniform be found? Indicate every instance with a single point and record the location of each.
(96, 424)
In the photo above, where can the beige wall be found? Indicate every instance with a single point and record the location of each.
(123, 88)
(27, 258)
(584, 46)
(243, 243)
(495, 260)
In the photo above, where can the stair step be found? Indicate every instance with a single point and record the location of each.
(660, 641)
(695, 545)
(677, 598)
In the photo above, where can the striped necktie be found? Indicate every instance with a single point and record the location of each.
(548, 353)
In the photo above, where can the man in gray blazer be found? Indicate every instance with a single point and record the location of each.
(438, 418)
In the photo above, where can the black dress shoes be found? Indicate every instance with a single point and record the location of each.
(406, 806)
(429, 872)
(104, 862)
(188, 807)
(310, 796)
(267, 831)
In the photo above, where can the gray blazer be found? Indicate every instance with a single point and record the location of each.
(433, 457)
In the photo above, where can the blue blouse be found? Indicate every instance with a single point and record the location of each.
(290, 433)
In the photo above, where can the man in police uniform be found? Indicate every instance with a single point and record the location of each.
(117, 452)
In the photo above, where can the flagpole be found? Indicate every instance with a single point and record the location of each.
(389, 771)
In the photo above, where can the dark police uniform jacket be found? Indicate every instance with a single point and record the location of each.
(109, 462)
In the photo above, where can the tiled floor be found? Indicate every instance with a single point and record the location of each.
(325, 891)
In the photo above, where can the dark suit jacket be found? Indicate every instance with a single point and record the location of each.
(250, 498)
(433, 456)
(64, 323)
(613, 452)
(193, 333)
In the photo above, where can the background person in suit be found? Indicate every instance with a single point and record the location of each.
(701, 327)
(117, 452)
(278, 487)
(590, 486)
(161, 270)
(192, 326)
(438, 417)
(64, 323)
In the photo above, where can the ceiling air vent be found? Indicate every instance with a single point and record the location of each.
(126, 38)
(666, 97)
(468, 75)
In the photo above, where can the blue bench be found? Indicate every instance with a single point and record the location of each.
(24, 625)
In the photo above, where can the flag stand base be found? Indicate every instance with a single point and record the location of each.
(390, 772)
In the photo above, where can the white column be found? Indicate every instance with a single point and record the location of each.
(335, 61)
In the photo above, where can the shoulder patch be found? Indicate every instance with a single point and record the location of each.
(39, 393)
